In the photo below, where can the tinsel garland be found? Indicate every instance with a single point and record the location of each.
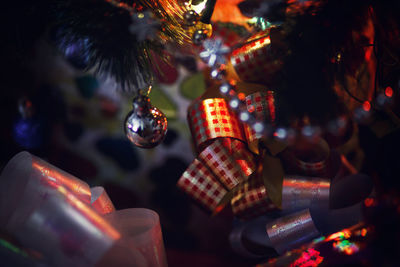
(110, 46)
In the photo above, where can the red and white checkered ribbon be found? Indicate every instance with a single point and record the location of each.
(199, 183)
(252, 62)
(243, 157)
(212, 118)
(262, 105)
(225, 162)
(222, 163)
(217, 170)
(251, 199)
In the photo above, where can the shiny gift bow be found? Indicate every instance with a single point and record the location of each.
(220, 174)
(234, 165)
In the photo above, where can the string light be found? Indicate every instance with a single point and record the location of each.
(258, 127)
(335, 127)
(280, 133)
(214, 55)
(244, 116)
(225, 88)
(234, 103)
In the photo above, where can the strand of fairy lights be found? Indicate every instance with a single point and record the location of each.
(335, 127)
(237, 101)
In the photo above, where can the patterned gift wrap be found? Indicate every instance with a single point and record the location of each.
(252, 61)
(219, 160)
(201, 185)
(250, 199)
(212, 118)
(243, 157)
(262, 105)
(225, 162)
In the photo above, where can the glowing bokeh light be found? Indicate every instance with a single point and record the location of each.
(369, 202)
(281, 133)
(345, 246)
(344, 234)
(389, 91)
(258, 127)
(310, 257)
(366, 106)
(244, 116)
(234, 103)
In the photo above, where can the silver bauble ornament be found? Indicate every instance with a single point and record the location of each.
(145, 125)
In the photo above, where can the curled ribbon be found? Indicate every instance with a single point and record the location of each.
(291, 230)
(227, 156)
(234, 164)
(70, 224)
(252, 62)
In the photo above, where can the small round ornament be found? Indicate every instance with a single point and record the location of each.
(191, 17)
(145, 125)
(218, 73)
(199, 32)
(199, 36)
